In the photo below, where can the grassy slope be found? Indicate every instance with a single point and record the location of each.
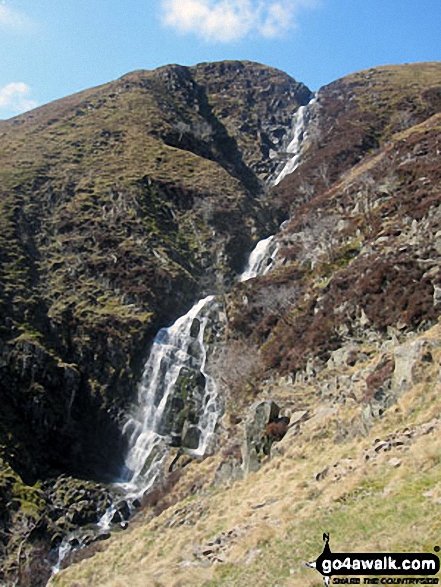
(277, 515)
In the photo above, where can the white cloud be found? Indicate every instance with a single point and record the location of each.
(232, 20)
(15, 97)
(13, 19)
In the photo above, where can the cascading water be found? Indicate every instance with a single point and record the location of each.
(175, 367)
(177, 351)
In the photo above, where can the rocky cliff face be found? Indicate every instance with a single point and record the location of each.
(359, 256)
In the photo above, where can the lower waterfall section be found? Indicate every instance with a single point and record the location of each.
(177, 409)
(177, 399)
(177, 406)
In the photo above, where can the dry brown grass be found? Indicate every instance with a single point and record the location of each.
(279, 513)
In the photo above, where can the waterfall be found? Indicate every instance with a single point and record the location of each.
(175, 379)
(178, 355)
(295, 148)
(176, 367)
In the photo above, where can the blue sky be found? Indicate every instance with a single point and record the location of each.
(51, 48)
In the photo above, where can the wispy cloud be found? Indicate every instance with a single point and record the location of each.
(232, 20)
(15, 97)
(13, 19)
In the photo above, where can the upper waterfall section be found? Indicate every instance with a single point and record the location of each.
(300, 136)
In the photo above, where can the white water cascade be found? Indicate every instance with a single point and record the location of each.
(177, 354)
(176, 350)
(180, 349)
(295, 148)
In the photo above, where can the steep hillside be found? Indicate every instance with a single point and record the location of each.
(356, 115)
(360, 254)
(119, 206)
(343, 334)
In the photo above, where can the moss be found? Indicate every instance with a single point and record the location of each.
(28, 501)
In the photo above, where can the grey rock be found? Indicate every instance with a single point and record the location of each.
(407, 356)
(381, 446)
(260, 414)
(322, 474)
(228, 472)
(343, 356)
(298, 417)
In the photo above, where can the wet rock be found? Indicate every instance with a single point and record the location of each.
(87, 539)
(190, 438)
(195, 328)
(56, 540)
(102, 536)
(184, 405)
(84, 512)
(122, 512)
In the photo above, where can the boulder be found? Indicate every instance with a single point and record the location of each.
(407, 358)
(122, 512)
(260, 414)
(190, 438)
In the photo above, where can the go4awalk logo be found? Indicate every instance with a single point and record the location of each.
(330, 564)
